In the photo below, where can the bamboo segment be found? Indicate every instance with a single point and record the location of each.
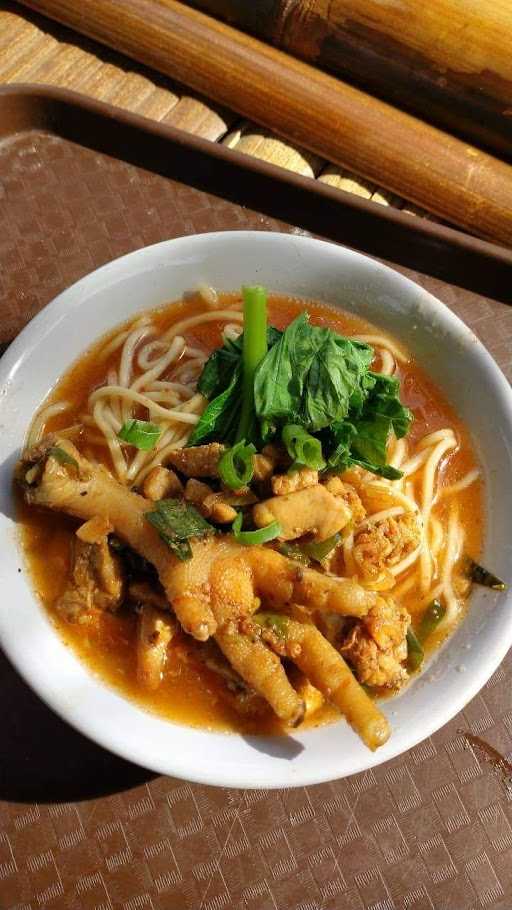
(431, 169)
(449, 61)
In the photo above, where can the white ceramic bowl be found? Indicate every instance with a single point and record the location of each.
(309, 268)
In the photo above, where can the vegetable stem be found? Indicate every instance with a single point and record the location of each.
(254, 350)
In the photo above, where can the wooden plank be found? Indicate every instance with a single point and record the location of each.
(73, 63)
(411, 159)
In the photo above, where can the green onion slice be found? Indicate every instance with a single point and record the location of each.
(415, 653)
(319, 550)
(62, 456)
(236, 465)
(430, 620)
(253, 538)
(482, 576)
(302, 447)
(177, 522)
(140, 433)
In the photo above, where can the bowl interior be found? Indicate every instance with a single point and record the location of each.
(444, 346)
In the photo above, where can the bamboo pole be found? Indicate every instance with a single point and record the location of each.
(448, 61)
(432, 169)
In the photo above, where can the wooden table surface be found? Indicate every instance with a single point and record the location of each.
(33, 49)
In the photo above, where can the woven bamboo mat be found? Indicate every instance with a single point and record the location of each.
(33, 49)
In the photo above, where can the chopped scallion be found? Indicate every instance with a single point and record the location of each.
(62, 456)
(177, 522)
(236, 465)
(254, 538)
(303, 448)
(482, 576)
(415, 653)
(430, 620)
(318, 550)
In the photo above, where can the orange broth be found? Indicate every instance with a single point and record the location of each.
(191, 693)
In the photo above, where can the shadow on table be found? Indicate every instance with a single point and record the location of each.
(42, 759)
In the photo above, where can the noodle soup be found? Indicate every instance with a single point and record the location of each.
(405, 542)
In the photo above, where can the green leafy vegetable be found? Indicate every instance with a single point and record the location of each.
(338, 441)
(219, 421)
(483, 577)
(303, 448)
(253, 538)
(381, 414)
(176, 522)
(236, 465)
(430, 620)
(221, 383)
(140, 433)
(62, 456)
(313, 387)
(310, 376)
(415, 653)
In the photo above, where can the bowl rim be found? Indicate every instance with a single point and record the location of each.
(30, 338)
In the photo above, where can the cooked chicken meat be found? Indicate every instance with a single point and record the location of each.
(348, 493)
(222, 579)
(327, 671)
(310, 511)
(380, 546)
(96, 581)
(212, 505)
(198, 461)
(296, 480)
(161, 482)
(155, 632)
(376, 646)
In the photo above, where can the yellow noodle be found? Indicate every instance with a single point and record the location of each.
(189, 371)
(174, 353)
(381, 341)
(415, 463)
(387, 362)
(163, 396)
(406, 585)
(152, 406)
(377, 517)
(407, 561)
(195, 352)
(231, 332)
(399, 451)
(121, 337)
(192, 321)
(390, 492)
(144, 359)
(116, 452)
(436, 535)
(462, 484)
(433, 438)
(160, 458)
(446, 442)
(450, 557)
(208, 295)
(41, 419)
